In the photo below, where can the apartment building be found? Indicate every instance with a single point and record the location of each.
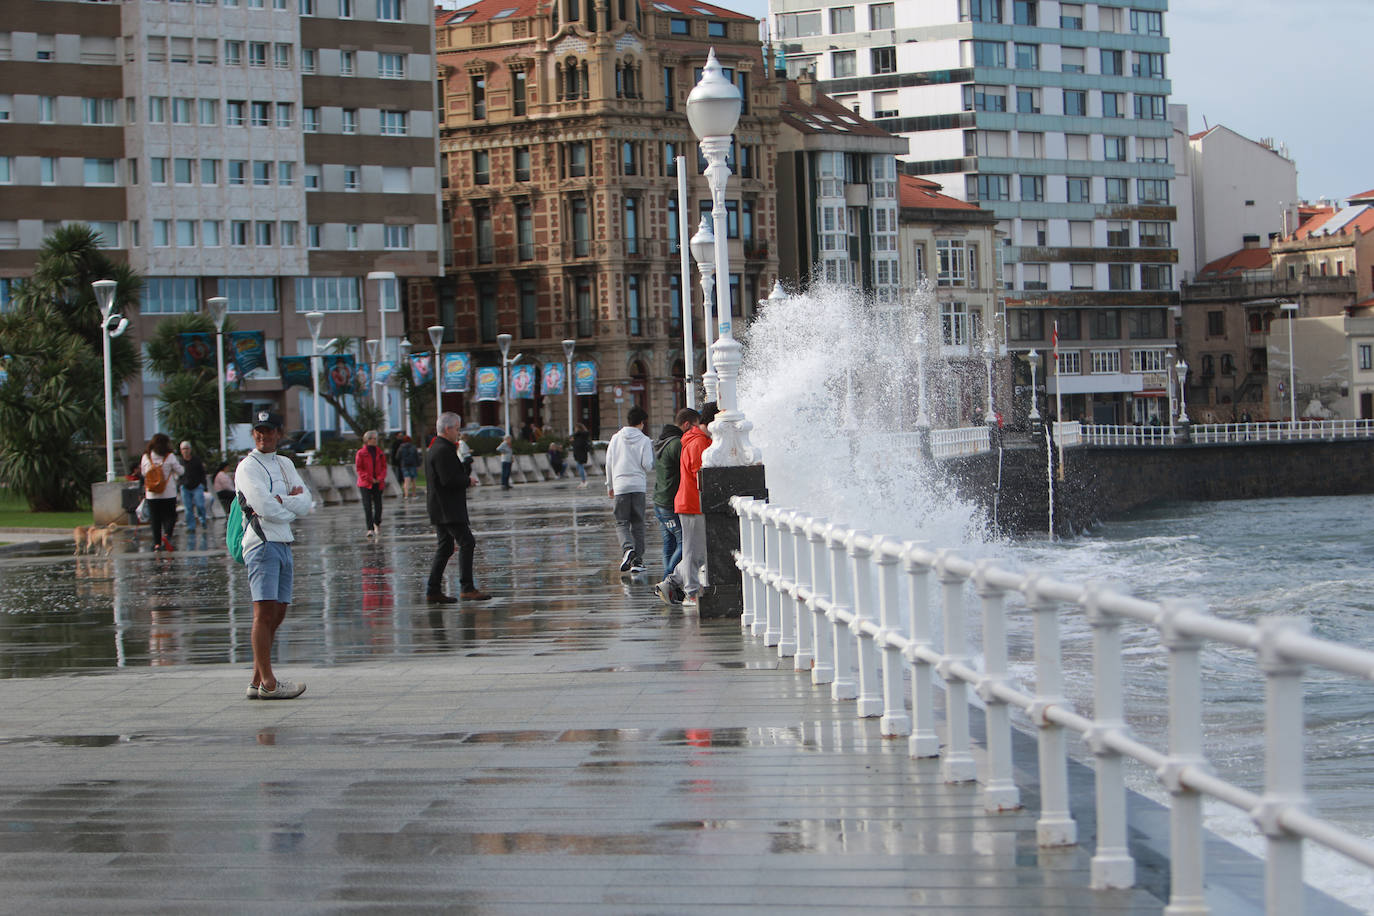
(271, 151)
(1244, 192)
(1055, 117)
(561, 124)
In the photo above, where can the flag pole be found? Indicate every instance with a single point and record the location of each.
(1058, 403)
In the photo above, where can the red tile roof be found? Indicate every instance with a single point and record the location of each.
(1202, 133)
(1236, 263)
(824, 115)
(921, 193)
(1366, 197)
(488, 10)
(1326, 222)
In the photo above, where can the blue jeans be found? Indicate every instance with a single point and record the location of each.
(193, 498)
(672, 538)
(505, 475)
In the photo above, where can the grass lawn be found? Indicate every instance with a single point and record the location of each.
(14, 513)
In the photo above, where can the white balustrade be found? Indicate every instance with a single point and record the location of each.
(830, 571)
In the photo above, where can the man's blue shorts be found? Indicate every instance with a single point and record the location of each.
(269, 571)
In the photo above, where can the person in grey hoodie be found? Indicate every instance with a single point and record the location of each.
(629, 459)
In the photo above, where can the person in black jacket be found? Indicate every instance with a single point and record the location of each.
(582, 453)
(446, 480)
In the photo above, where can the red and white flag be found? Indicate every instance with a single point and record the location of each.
(1054, 341)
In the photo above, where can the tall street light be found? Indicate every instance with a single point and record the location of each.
(703, 247)
(568, 347)
(386, 288)
(1181, 370)
(1291, 308)
(503, 341)
(989, 351)
(713, 109)
(404, 349)
(372, 374)
(219, 308)
(1033, 357)
(111, 326)
(315, 321)
(436, 340)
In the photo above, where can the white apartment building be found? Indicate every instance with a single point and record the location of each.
(1244, 191)
(1055, 117)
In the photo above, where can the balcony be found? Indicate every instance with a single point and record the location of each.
(1280, 288)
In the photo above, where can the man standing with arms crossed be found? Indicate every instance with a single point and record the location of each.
(629, 459)
(270, 485)
(446, 496)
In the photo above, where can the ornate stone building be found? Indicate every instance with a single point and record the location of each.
(560, 125)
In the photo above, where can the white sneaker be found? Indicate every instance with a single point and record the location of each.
(285, 690)
(689, 601)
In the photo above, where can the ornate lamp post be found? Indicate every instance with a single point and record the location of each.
(404, 349)
(111, 326)
(386, 289)
(1170, 361)
(1291, 310)
(989, 352)
(1033, 357)
(1181, 370)
(713, 108)
(568, 347)
(436, 340)
(219, 308)
(315, 321)
(703, 247)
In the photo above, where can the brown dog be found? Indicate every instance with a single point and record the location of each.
(87, 537)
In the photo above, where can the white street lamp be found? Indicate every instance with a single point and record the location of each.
(315, 321)
(1291, 308)
(1169, 364)
(1181, 370)
(989, 351)
(703, 247)
(404, 349)
(1033, 358)
(503, 341)
(568, 347)
(436, 340)
(713, 109)
(104, 296)
(386, 289)
(219, 308)
(372, 344)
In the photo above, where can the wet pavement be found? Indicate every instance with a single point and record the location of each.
(572, 745)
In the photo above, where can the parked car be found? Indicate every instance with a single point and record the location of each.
(303, 440)
(474, 431)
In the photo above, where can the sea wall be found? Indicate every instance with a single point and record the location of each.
(1102, 481)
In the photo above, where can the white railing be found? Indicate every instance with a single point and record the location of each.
(1096, 434)
(827, 597)
(1068, 432)
(966, 440)
(1282, 431)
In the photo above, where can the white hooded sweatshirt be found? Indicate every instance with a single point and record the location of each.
(629, 460)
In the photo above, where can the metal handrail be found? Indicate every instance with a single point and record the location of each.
(827, 597)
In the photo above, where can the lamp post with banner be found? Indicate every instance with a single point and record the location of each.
(315, 322)
(219, 308)
(386, 291)
(404, 349)
(111, 326)
(436, 340)
(568, 347)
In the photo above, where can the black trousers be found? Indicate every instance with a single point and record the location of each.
(372, 505)
(448, 534)
(162, 514)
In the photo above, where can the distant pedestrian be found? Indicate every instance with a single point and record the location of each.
(507, 452)
(527, 432)
(370, 464)
(410, 466)
(447, 478)
(224, 486)
(275, 493)
(394, 457)
(160, 471)
(581, 452)
(192, 488)
(667, 471)
(629, 460)
(688, 578)
(556, 462)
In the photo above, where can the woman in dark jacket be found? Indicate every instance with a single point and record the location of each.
(582, 452)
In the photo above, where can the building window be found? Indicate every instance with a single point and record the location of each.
(632, 244)
(1106, 362)
(394, 124)
(880, 16)
(1075, 102)
(238, 233)
(950, 263)
(841, 20)
(842, 64)
(954, 324)
(522, 163)
(1119, 276)
(1106, 324)
(348, 62)
(1071, 16)
(262, 174)
(981, 10)
(884, 60)
(390, 10)
(681, 27)
(1118, 233)
(479, 97)
(1154, 234)
(633, 306)
(1114, 149)
(1070, 362)
(519, 80)
(1366, 356)
(1148, 66)
(257, 54)
(1117, 192)
(1027, 57)
(524, 231)
(1029, 324)
(1152, 191)
(1024, 12)
(669, 93)
(396, 238)
(575, 160)
(1035, 276)
(529, 310)
(1113, 105)
(989, 53)
(1113, 62)
(391, 66)
(989, 187)
(328, 294)
(481, 167)
(581, 229)
(1146, 324)
(1149, 107)
(1144, 22)
(261, 114)
(349, 121)
(1028, 101)
(209, 172)
(1080, 190)
(1032, 187)
(1156, 276)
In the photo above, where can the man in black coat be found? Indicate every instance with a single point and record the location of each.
(446, 481)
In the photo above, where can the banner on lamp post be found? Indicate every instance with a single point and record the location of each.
(457, 367)
(489, 383)
(553, 378)
(584, 378)
(385, 373)
(248, 351)
(421, 367)
(522, 382)
(197, 349)
(295, 370)
(339, 369)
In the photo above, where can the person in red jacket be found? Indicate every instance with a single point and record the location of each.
(689, 577)
(370, 463)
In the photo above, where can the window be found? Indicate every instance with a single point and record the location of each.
(157, 170)
(842, 64)
(396, 238)
(209, 172)
(518, 82)
(1080, 276)
(1216, 324)
(249, 294)
(1113, 62)
(634, 309)
(1034, 232)
(954, 324)
(790, 25)
(1120, 276)
(351, 234)
(1070, 362)
(209, 233)
(1071, 60)
(349, 124)
(715, 29)
(1030, 144)
(389, 10)
(1077, 145)
(1028, 101)
(235, 112)
(238, 172)
(841, 20)
(233, 53)
(262, 174)
(1027, 57)
(1152, 190)
(486, 238)
(348, 62)
(46, 105)
(208, 112)
(575, 160)
(257, 54)
(1116, 190)
(1144, 22)
(522, 163)
(1114, 149)
(1075, 102)
(1023, 12)
(1071, 16)
(1366, 356)
(989, 187)
(478, 86)
(261, 114)
(984, 98)
(184, 171)
(481, 167)
(951, 263)
(310, 120)
(1113, 105)
(95, 111)
(1154, 235)
(581, 227)
(884, 60)
(1118, 233)
(1151, 149)
(684, 26)
(981, 10)
(281, 56)
(629, 158)
(524, 232)
(1146, 324)
(100, 172)
(312, 178)
(985, 143)
(391, 66)
(207, 51)
(328, 294)
(312, 235)
(885, 105)
(181, 110)
(351, 180)
(162, 233)
(1080, 190)
(989, 54)
(1035, 276)
(880, 16)
(1149, 107)
(1156, 276)
(1105, 362)
(1029, 324)
(186, 233)
(1032, 187)
(394, 124)
(1148, 66)
(1105, 324)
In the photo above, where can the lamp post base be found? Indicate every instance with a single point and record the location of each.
(725, 597)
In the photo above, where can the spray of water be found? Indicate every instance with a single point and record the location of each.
(830, 382)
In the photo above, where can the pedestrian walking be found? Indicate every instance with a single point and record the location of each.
(370, 464)
(581, 452)
(667, 471)
(629, 460)
(688, 578)
(160, 470)
(410, 466)
(447, 478)
(193, 488)
(557, 463)
(507, 452)
(224, 486)
(274, 491)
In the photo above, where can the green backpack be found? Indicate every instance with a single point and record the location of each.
(233, 529)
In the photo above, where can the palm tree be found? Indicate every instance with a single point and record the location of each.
(189, 400)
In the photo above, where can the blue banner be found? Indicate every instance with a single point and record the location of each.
(197, 349)
(248, 351)
(338, 373)
(456, 369)
(488, 383)
(584, 378)
(553, 378)
(421, 368)
(295, 370)
(385, 373)
(522, 382)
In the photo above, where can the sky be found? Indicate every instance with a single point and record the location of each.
(1292, 70)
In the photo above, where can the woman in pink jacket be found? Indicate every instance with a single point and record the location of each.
(370, 463)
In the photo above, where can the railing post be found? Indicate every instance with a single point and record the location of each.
(771, 535)
(895, 720)
(870, 702)
(823, 671)
(924, 740)
(842, 687)
(999, 786)
(1283, 766)
(754, 625)
(1186, 845)
(787, 586)
(801, 621)
(1112, 865)
(957, 764)
(747, 559)
(1055, 826)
